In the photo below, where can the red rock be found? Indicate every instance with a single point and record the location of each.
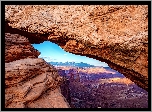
(115, 34)
(18, 47)
(28, 77)
(26, 84)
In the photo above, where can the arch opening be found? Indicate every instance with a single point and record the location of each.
(120, 46)
(89, 83)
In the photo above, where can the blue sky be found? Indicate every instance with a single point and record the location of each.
(52, 52)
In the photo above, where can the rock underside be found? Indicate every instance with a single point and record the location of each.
(30, 82)
(115, 34)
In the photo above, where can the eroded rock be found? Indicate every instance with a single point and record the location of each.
(115, 34)
(18, 47)
(51, 98)
(27, 77)
(35, 78)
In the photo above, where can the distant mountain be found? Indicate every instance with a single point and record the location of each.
(81, 64)
(108, 68)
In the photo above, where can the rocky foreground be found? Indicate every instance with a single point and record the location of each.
(30, 82)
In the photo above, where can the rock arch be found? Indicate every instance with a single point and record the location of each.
(115, 34)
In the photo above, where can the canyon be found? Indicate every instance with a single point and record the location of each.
(115, 34)
(100, 87)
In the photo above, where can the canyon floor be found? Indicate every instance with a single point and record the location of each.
(99, 87)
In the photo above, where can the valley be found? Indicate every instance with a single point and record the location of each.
(100, 87)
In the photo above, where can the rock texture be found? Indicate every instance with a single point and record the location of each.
(30, 82)
(18, 47)
(115, 34)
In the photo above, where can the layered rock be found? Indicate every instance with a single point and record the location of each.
(115, 34)
(18, 47)
(30, 82)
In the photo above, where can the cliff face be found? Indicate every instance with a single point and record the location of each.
(115, 34)
(18, 47)
(30, 82)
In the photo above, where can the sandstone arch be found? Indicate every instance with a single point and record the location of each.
(117, 35)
